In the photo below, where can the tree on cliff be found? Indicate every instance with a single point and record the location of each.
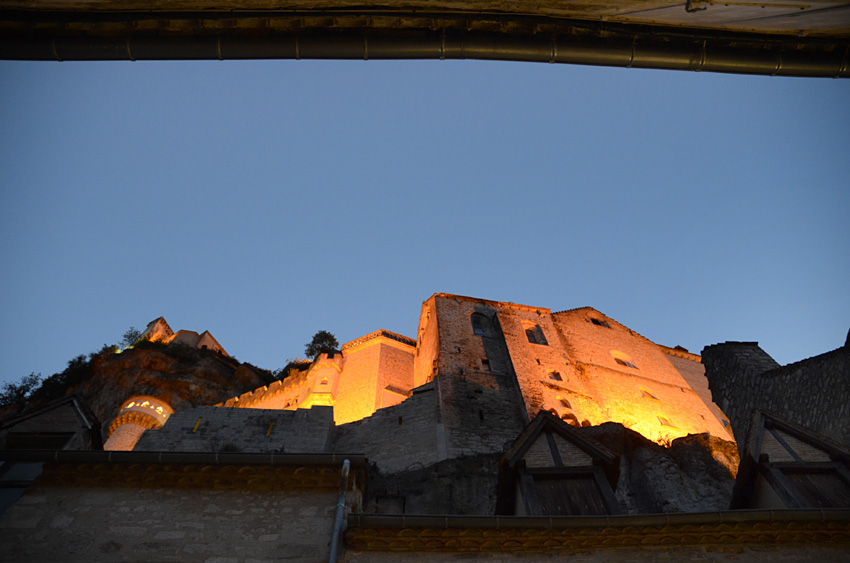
(130, 337)
(19, 393)
(323, 341)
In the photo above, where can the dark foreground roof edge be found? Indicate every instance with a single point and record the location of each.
(561, 522)
(215, 458)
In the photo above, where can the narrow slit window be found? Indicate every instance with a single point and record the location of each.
(623, 359)
(665, 421)
(647, 395)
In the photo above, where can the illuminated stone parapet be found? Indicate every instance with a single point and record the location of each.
(370, 373)
(138, 414)
(323, 381)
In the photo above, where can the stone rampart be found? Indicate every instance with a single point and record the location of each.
(269, 396)
(814, 393)
(397, 438)
(216, 429)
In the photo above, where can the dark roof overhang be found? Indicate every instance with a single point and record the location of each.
(599, 34)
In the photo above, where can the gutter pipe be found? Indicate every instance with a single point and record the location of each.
(340, 509)
(777, 57)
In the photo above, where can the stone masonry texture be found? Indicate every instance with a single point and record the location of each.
(814, 393)
(106, 524)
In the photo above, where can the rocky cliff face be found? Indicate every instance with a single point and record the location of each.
(185, 380)
(695, 474)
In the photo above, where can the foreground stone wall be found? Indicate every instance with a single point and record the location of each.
(122, 524)
(812, 393)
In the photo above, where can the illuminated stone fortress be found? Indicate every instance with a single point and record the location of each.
(502, 431)
(476, 374)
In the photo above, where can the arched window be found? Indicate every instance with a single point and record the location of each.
(570, 419)
(478, 321)
(623, 359)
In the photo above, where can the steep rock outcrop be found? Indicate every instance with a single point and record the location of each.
(695, 473)
(189, 380)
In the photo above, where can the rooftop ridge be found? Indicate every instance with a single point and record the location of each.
(378, 334)
(491, 302)
(573, 309)
(610, 318)
(680, 353)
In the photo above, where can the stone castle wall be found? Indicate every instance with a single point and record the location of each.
(370, 373)
(358, 385)
(216, 429)
(566, 363)
(691, 368)
(813, 393)
(400, 437)
(479, 379)
(426, 361)
(480, 401)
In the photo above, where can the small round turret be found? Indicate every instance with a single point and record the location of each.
(138, 414)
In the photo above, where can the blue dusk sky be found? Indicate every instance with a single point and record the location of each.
(266, 200)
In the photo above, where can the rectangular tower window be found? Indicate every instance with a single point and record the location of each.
(535, 335)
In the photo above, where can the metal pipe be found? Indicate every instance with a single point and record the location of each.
(672, 53)
(340, 509)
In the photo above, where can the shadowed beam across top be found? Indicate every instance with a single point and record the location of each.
(777, 37)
